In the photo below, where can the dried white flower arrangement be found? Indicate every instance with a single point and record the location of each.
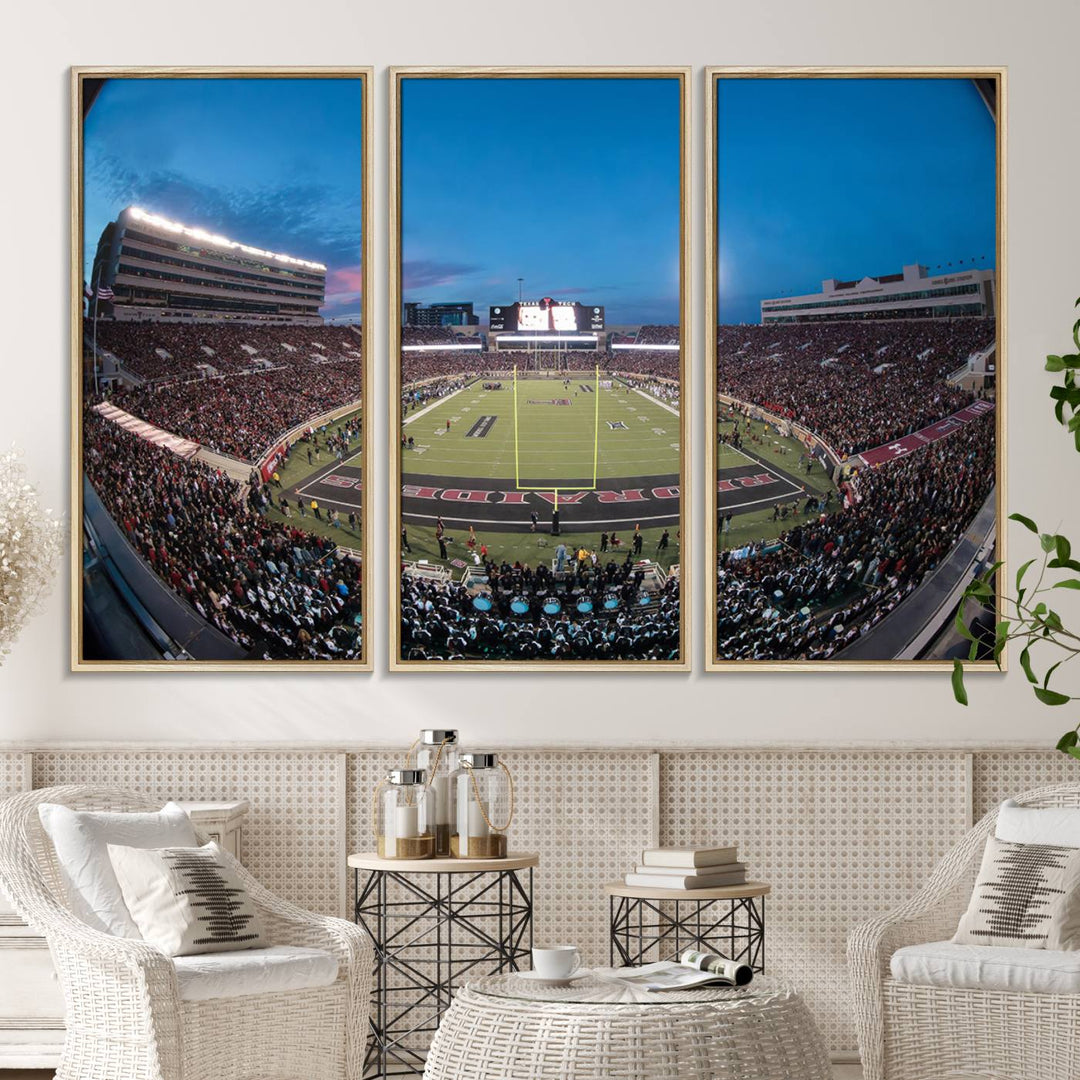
(31, 540)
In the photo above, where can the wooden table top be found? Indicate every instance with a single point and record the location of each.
(720, 892)
(516, 860)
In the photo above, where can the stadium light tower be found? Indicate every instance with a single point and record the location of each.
(521, 282)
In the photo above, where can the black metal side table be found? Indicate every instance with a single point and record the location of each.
(659, 924)
(433, 922)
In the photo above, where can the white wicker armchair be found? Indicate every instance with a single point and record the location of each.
(124, 1016)
(909, 1032)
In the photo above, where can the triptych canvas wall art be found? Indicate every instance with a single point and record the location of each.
(540, 367)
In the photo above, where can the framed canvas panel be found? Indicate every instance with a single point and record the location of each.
(539, 325)
(855, 363)
(220, 312)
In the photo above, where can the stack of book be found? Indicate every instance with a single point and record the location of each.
(688, 868)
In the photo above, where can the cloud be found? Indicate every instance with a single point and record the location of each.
(310, 220)
(344, 288)
(424, 273)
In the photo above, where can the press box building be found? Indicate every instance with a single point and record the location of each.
(160, 269)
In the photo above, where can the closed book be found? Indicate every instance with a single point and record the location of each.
(683, 881)
(688, 856)
(691, 871)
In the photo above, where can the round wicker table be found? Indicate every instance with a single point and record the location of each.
(504, 1027)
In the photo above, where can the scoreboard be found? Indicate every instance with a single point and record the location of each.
(546, 316)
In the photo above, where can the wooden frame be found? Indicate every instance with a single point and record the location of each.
(397, 75)
(366, 119)
(712, 77)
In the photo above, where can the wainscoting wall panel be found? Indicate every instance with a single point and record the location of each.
(587, 814)
(840, 835)
(998, 775)
(291, 839)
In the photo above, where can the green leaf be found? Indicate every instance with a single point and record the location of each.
(1025, 663)
(1051, 697)
(1064, 564)
(1050, 671)
(1074, 751)
(1070, 738)
(1048, 542)
(1022, 571)
(961, 627)
(1068, 583)
(1025, 521)
(958, 682)
(1064, 548)
(1055, 363)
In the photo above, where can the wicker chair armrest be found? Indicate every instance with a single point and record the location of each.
(930, 915)
(113, 984)
(287, 923)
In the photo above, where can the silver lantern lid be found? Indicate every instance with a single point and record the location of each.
(437, 736)
(480, 761)
(407, 776)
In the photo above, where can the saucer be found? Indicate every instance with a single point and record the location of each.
(544, 980)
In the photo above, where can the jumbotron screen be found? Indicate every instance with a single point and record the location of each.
(546, 316)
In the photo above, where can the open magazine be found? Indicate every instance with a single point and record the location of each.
(693, 969)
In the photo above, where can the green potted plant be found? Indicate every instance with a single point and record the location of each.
(1027, 615)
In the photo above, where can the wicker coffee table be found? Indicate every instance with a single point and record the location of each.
(593, 1029)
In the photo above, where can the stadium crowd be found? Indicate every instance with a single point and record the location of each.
(650, 334)
(276, 591)
(824, 583)
(440, 622)
(856, 384)
(243, 415)
(181, 350)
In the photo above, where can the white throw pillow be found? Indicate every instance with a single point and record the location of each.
(1025, 896)
(1057, 825)
(187, 900)
(80, 839)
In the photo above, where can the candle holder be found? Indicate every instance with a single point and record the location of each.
(404, 815)
(484, 792)
(437, 753)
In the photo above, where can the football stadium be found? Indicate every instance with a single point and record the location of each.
(884, 417)
(541, 465)
(214, 400)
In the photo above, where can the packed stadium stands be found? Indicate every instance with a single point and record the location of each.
(826, 582)
(274, 590)
(439, 620)
(176, 350)
(856, 384)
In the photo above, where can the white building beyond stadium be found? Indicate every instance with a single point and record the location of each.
(160, 269)
(912, 294)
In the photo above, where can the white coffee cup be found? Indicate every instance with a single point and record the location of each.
(556, 961)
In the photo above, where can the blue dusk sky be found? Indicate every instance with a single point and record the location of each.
(571, 184)
(845, 178)
(275, 163)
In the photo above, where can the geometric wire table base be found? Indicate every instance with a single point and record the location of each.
(427, 940)
(733, 927)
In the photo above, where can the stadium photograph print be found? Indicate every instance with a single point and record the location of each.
(220, 302)
(538, 329)
(855, 293)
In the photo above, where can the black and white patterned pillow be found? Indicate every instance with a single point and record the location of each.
(1026, 895)
(186, 900)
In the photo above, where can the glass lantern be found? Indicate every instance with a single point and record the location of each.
(485, 807)
(437, 754)
(405, 816)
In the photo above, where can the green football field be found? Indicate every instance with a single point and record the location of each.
(625, 434)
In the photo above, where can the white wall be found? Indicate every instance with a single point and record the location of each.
(39, 698)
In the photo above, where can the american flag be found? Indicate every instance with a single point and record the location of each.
(104, 292)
